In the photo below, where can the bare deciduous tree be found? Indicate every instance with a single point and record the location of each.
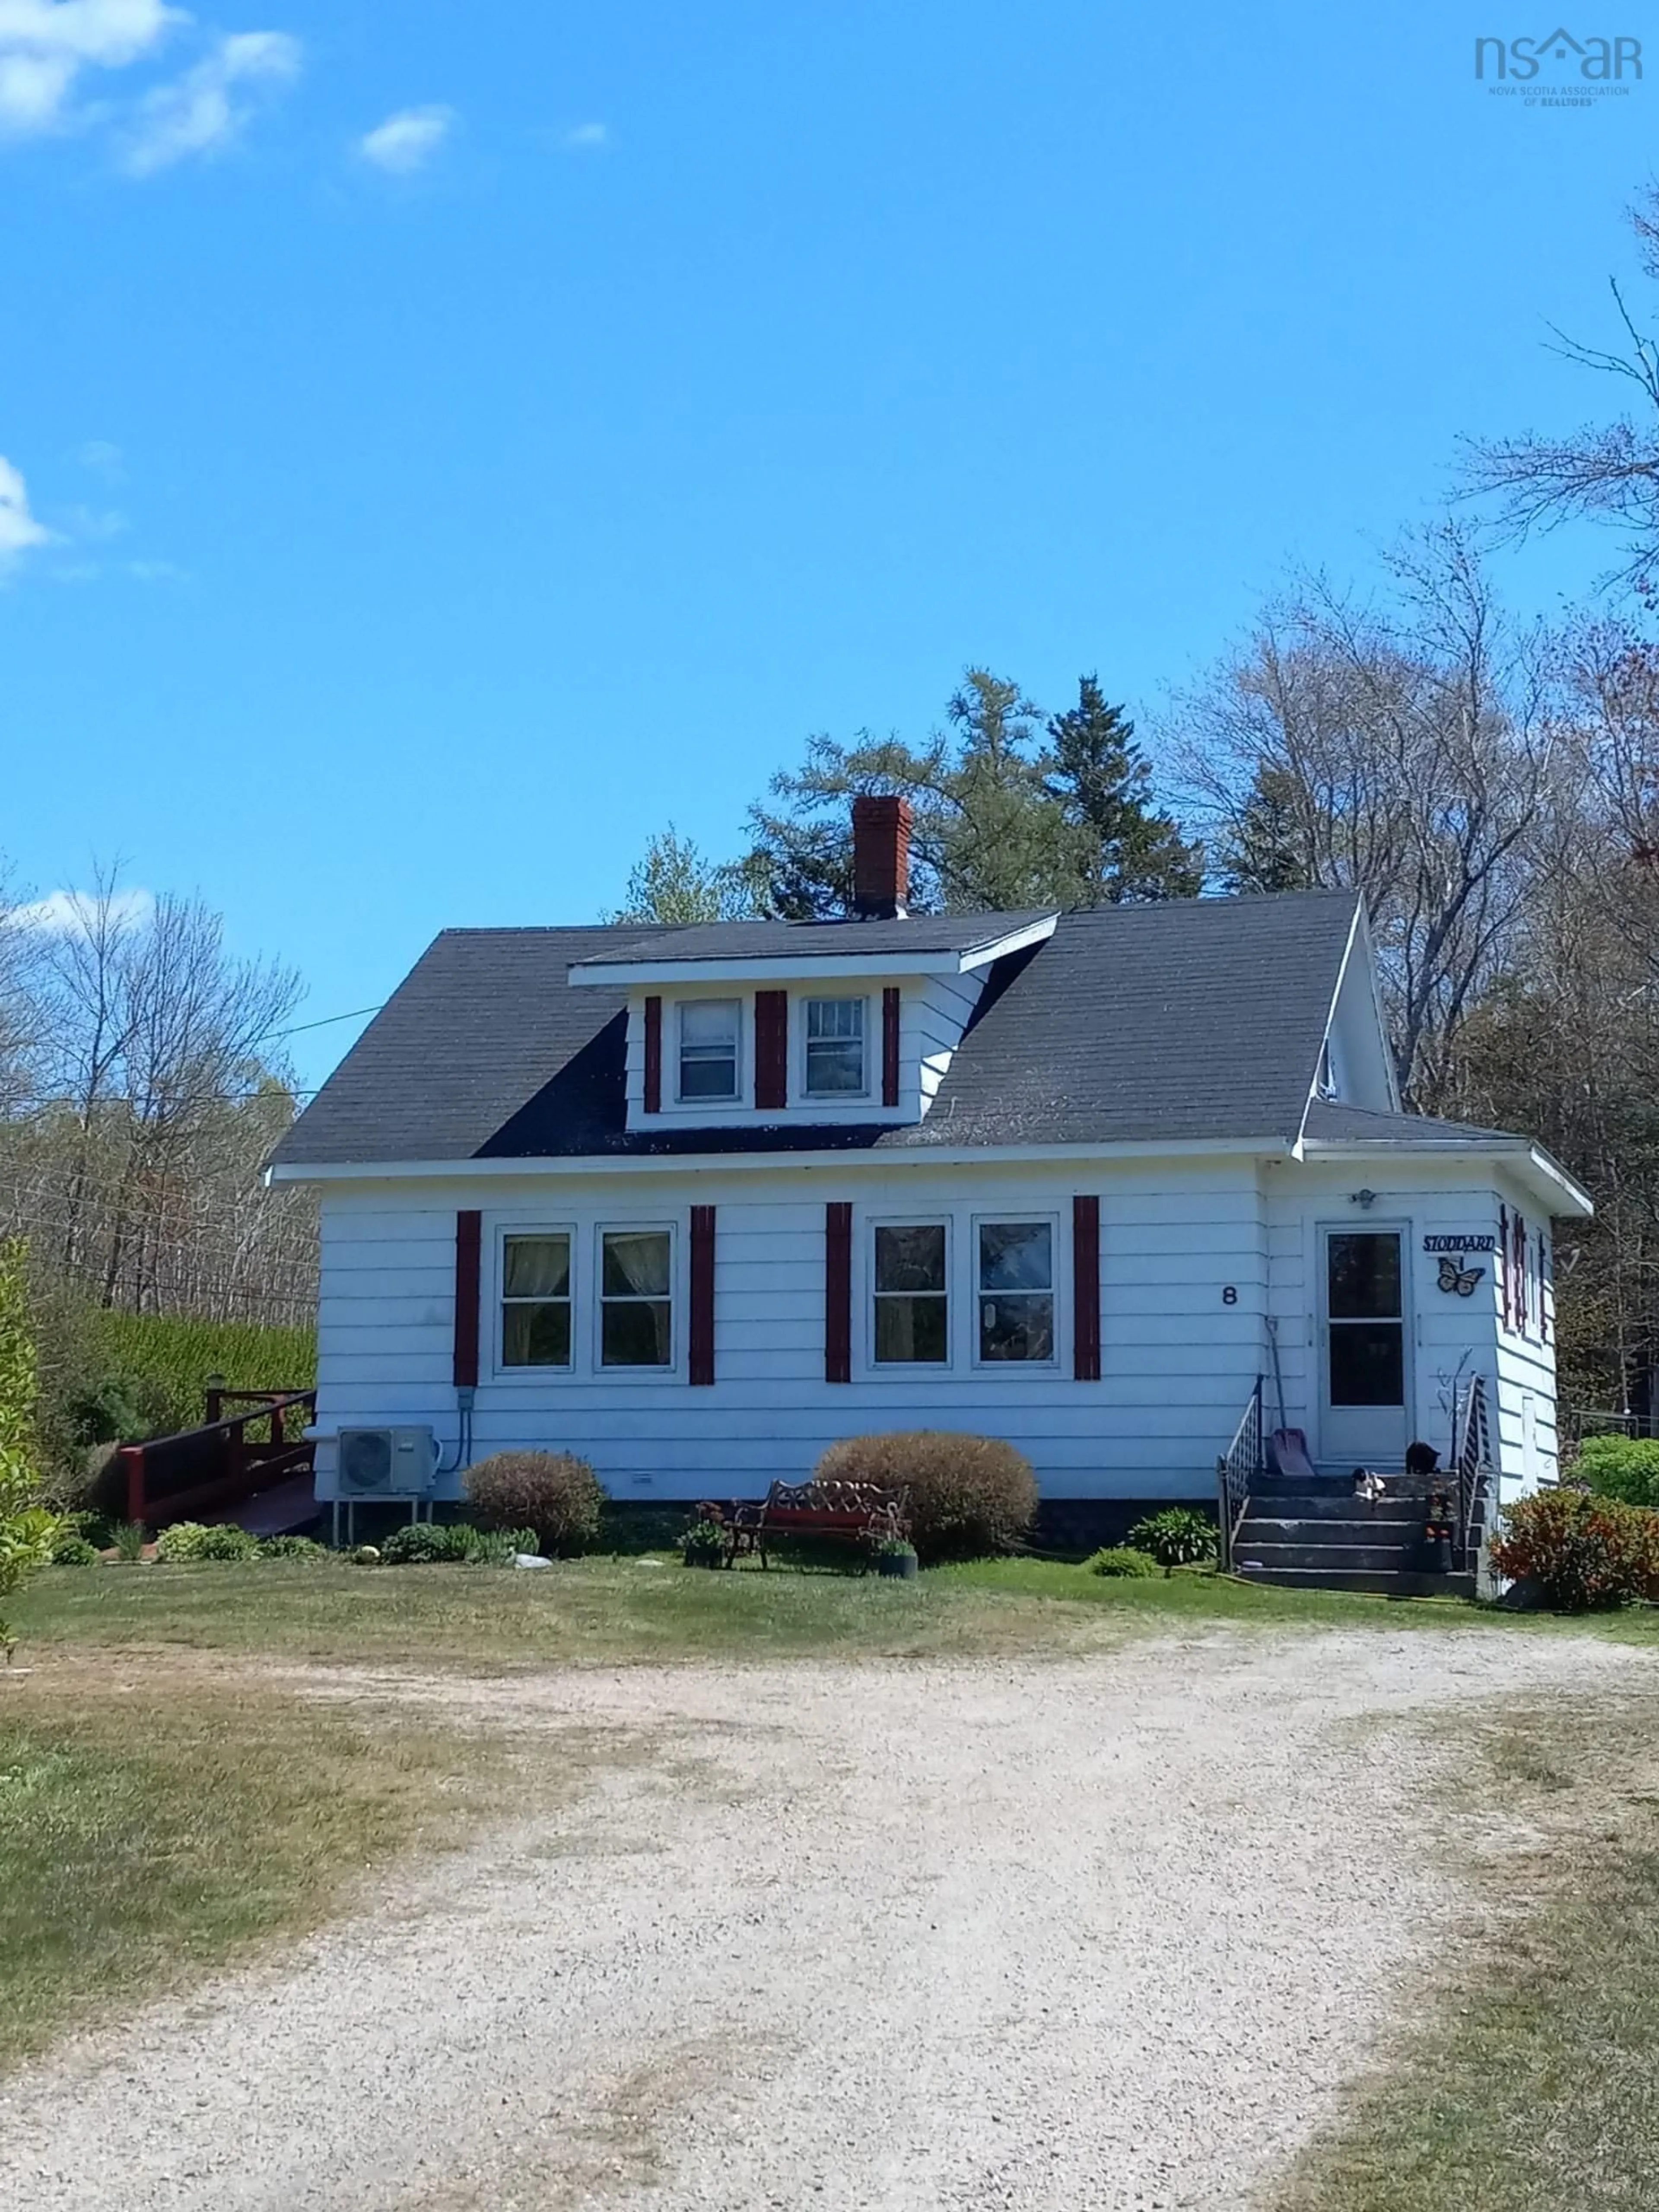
(1407, 750)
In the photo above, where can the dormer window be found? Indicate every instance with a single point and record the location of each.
(834, 1048)
(708, 1048)
(1325, 1082)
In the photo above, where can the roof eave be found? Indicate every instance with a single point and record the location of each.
(634, 974)
(1555, 1187)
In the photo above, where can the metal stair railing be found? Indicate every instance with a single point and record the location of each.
(1238, 1470)
(1471, 1462)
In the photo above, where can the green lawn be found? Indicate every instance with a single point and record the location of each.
(155, 1822)
(1528, 2080)
(626, 1609)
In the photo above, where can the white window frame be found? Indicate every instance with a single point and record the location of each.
(1014, 1215)
(897, 1369)
(809, 999)
(739, 1093)
(599, 1370)
(498, 1369)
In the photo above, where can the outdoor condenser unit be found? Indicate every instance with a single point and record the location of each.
(386, 1462)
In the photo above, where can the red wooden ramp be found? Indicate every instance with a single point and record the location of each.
(253, 1468)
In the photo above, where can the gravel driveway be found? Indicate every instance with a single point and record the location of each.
(879, 1937)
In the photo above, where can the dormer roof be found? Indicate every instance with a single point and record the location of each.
(735, 952)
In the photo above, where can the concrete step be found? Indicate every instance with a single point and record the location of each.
(1343, 1558)
(1326, 1529)
(1367, 1580)
(1305, 1504)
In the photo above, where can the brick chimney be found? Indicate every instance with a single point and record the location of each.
(881, 858)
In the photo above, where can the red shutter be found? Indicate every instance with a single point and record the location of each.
(468, 1245)
(654, 1056)
(1519, 1233)
(837, 1293)
(1503, 1260)
(889, 1045)
(1086, 1288)
(771, 1049)
(703, 1294)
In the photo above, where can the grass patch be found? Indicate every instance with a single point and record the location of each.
(1532, 2082)
(617, 1610)
(153, 1828)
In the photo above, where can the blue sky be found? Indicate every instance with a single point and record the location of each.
(446, 443)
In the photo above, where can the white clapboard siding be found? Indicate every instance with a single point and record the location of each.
(1178, 1360)
(1449, 1335)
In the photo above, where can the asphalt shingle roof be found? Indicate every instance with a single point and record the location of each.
(1330, 1119)
(1197, 1018)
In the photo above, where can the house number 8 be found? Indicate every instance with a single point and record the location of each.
(1229, 1295)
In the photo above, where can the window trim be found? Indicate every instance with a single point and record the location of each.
(498, 1369)
(738, 1094)
(1013, 1216)
(808, 999)
(887, 1370)
(671, 1370)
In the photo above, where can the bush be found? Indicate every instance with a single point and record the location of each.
(1625, 1467)
(554, 1493)
(704, 1540)
(291, 1547)
(1177, 1537)
(1584, 1553)
(1121, 1560)
(128, 1539)
(73, 1551)
(162, 1361)
(968, 1495)
(188, 1542)
(417, 1543)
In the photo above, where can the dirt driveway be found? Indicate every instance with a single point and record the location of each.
(880, 1937)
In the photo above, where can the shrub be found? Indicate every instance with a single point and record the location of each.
(28, 1531)
(554, 1493)
(704, 1539)
(417, 1543)
(1121, 1559)
(187, 1541)
(128, 1539)
(291, 1547)
(968, 1495)
(1584, 1553)
(162, 1361)
(1625, 1467)
(491, 1547)
(1177, 1537)
(73, 1551)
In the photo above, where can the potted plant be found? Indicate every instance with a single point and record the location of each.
(896, 1558)
(703, 1544)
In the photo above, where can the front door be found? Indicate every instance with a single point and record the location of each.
(1363, 1347)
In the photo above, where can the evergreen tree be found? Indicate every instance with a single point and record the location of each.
(1101, 781)
(1262, 847)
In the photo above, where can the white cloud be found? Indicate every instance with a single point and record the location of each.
(586, 138)
(19, 531)
(211, 104)
(45, 45)
(407, 141)
(60, 912)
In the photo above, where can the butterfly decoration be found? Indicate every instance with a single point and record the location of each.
(1460, 1279)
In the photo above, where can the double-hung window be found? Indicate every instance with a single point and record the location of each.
(637, 1298)
(911, 1294)
(535, 1300)
(1015, 1262)
(834, 1048)
(708, 1048)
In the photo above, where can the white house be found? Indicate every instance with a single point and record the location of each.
(694, 1202)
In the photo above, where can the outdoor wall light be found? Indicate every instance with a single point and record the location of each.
(1364, 1198)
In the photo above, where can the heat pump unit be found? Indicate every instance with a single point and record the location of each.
(386, 1462)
